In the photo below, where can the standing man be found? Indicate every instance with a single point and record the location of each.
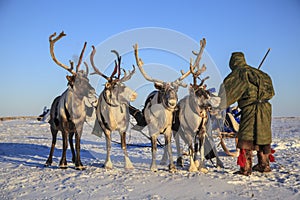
(251, 89)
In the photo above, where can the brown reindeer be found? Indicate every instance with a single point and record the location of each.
(68, 111)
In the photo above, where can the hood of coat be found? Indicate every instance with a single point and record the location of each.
(237, 59)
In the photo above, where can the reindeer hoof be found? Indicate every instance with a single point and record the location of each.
(193, 166)
(153, 169)
(172, 169)
(48, 162)
(203, 170)
(63, 166)
(108, 165)
(129, 168)
(128, 164)
(80, 167)
(193, 169)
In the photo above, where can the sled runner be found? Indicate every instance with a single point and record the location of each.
(227, 126)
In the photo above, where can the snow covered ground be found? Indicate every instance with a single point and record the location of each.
(25, 144)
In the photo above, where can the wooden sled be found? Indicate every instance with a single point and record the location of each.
(222, 136)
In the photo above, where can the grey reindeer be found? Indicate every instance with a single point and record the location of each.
(192, 116)
(158, 110)
(112, 110)
(68, 111)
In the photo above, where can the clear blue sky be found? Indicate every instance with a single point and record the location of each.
(30, 80)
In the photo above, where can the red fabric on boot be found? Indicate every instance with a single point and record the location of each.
(241, 161)
(271, 157)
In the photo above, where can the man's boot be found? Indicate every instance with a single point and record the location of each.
(258, 166)
(263, 163)
(266, 163)
(247, 168)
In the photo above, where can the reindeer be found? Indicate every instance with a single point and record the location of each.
(192, 116)
(112, 110)
(68, 111)
(158, 110)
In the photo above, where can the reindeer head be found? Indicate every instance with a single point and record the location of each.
(167, 90)
(168, 94)
(115, 88)
(78, 81)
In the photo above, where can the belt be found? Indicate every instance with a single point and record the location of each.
(259, 101)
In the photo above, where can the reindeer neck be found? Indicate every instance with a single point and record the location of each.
(197, 109)
(78, 96)
(108, 100)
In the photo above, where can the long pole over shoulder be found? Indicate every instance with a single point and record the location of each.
(264, 58)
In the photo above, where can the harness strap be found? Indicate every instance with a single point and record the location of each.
(106, 100)
(104, 122)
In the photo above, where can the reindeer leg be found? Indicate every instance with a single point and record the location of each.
(128, 164)
(54, 136)
(179, 160)
(202, 156)
(153, 166)
(63, 162)
(187, 137)
(196, 152)
(168, 135)
(72, 147)
(165, 157)
(192, 167)
(108, 164)
(78, 164)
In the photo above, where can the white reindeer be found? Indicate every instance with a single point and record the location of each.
(68, 111)
(193, 116)
(112, 110)
(158, 111)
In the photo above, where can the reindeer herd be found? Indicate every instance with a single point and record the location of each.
(163, 113)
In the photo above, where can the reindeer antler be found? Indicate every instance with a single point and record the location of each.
(87, 68)
(197, 73)
(203, 80)
(199, 55)
(117, 65)
(140, 64)
(117, 69)
(80, 57)
(96, 71)
(194, 66)
(52, 42)
(127, 77)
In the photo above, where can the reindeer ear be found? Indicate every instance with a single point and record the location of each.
(70, 79)
(158, 86)
(107, 85)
